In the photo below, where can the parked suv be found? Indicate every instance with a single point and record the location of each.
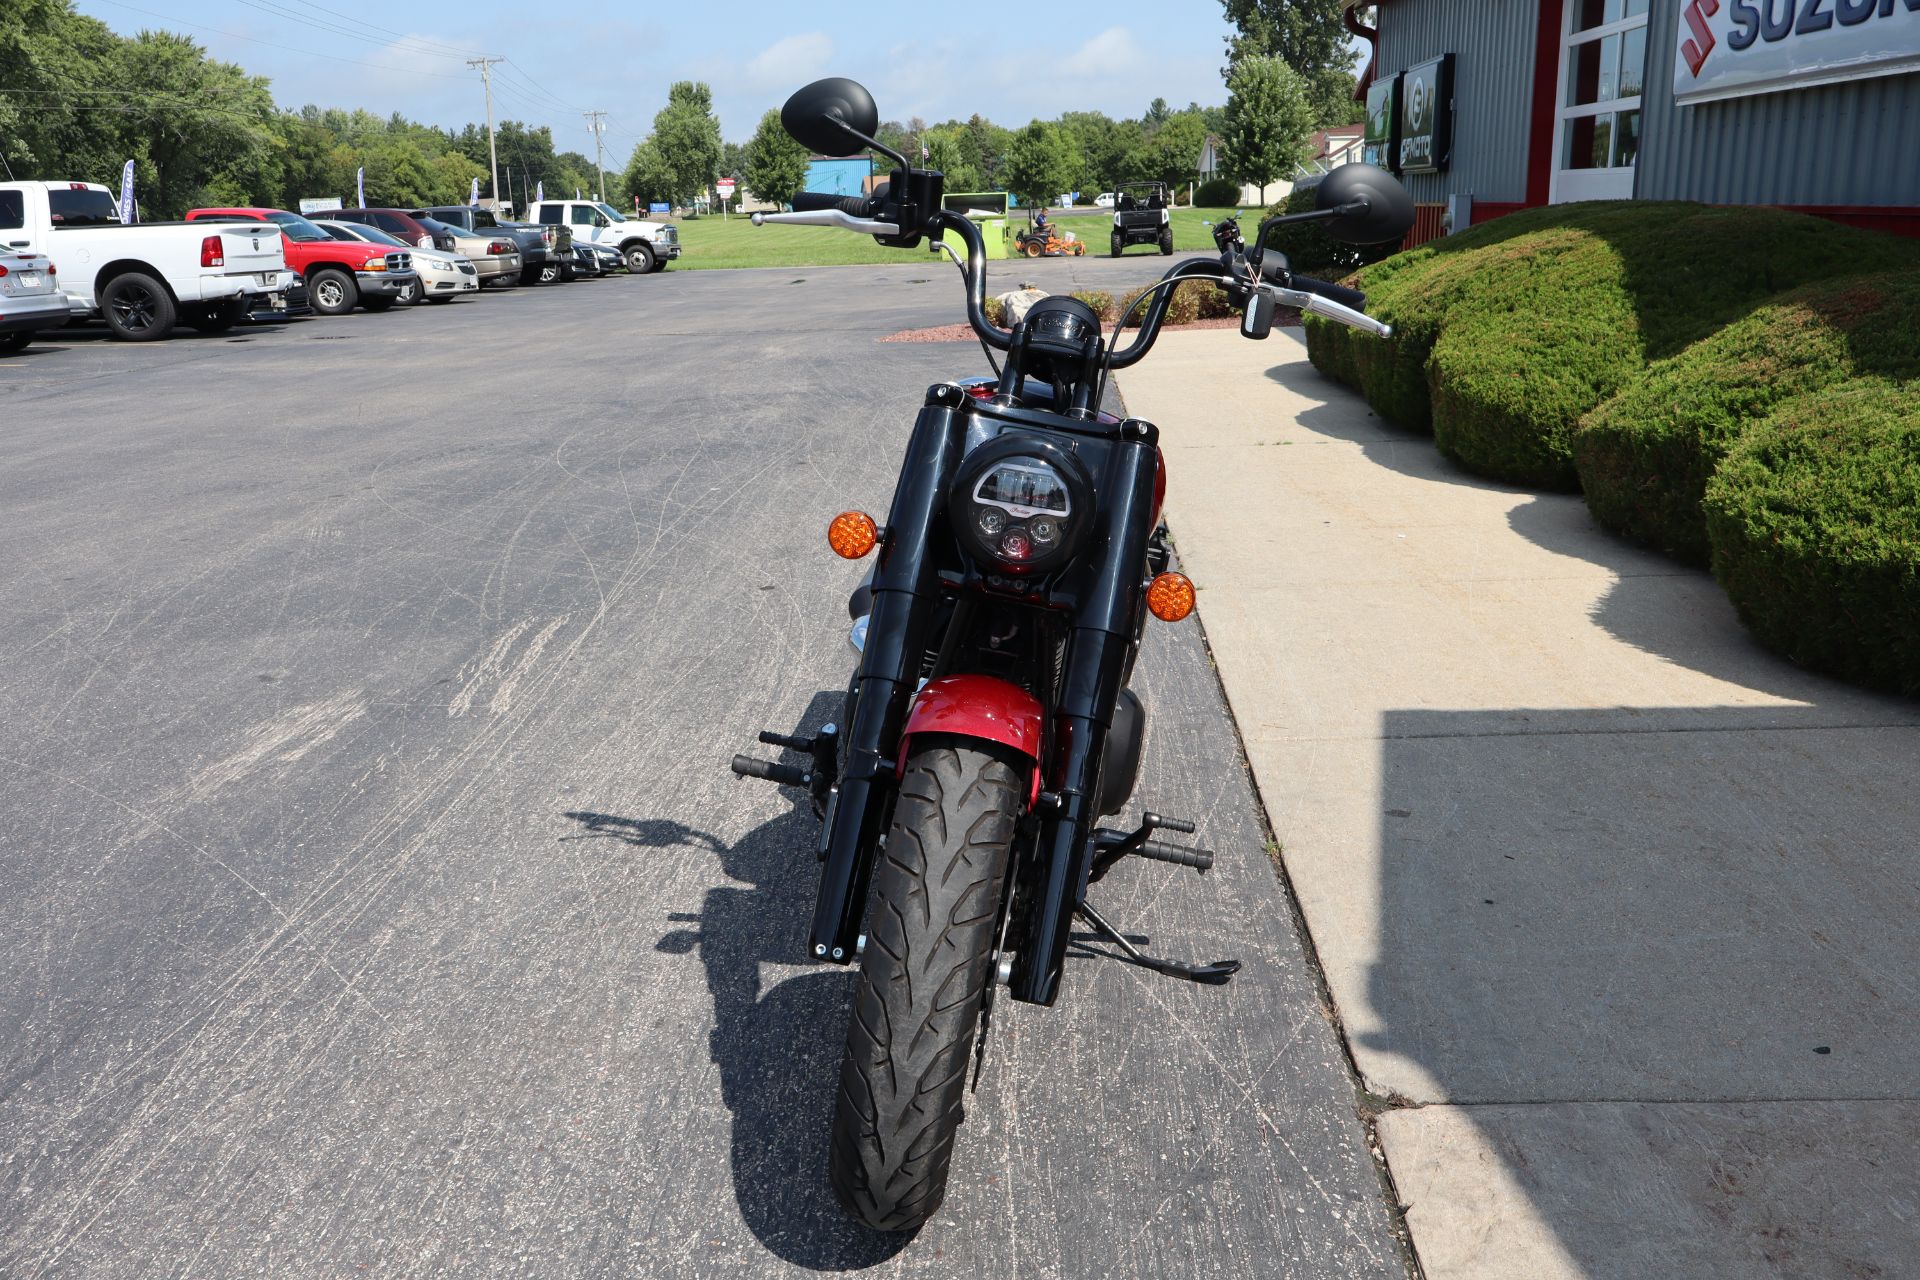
(646, 246)
(546, 253)
(340, 274)
(395, 222)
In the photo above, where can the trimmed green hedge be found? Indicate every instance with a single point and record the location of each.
(1645, 455)
(1507, 334)
(1814, 518)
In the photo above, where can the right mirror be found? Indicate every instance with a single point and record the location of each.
(1388, 214)
(810, 114)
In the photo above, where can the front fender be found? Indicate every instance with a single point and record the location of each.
(981, 707)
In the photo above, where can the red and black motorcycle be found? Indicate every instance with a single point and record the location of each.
(991, 723)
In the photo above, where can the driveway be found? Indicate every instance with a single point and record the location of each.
(377, 899)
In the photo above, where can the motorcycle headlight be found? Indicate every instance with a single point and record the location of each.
(1021, 508)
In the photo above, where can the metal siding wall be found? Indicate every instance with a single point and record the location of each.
(1850, 144)
(1493, 88)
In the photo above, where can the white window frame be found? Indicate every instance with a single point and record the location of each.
(1568, 185)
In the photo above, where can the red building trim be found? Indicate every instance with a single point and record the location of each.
(1546, 98)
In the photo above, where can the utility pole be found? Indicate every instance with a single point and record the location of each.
(593, 122)
(493, 154)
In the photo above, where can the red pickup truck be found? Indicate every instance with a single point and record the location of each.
(340, 274)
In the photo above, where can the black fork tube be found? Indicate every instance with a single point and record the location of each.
(1103, 632)
(905, 594)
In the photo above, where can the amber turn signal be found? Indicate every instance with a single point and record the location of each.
(852, 534)
(1170, 597)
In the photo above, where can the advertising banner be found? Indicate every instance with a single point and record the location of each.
(1381, 146)
(319, 204)
(1731, 48)
(126, 194)
(1426, 128)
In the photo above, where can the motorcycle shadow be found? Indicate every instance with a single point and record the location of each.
(778, 1049)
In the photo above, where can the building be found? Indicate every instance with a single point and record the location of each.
(1488, 106)
(1211, 166)
(1334, 147)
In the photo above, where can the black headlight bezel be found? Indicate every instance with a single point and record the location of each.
(1004, 448)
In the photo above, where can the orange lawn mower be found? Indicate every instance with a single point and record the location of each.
(1048, 241)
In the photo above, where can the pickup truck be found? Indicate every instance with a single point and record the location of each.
(647, 246)
(142, 278)
(340, 274)
(29, 299)
(546, 253)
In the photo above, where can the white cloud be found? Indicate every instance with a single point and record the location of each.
(789, 63)
(1113, 52)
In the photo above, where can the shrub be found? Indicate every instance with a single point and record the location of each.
(1310, 249)
(1214, 304)
(1814, 519)
(1508, 333)
(996, 312)
(1645, 455)
(1217, 193)
(1100, 300)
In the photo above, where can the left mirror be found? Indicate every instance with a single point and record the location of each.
(814, 116)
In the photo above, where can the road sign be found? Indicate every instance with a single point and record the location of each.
(725, 188)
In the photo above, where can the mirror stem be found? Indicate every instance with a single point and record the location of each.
(884, 150)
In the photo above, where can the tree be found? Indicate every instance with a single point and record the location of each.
(1157, 113)
(1267, 121)
(1172, 154)
(1308, 36)
(946, 151)
(1041, 164)
(646, 178)
(686, 142)
(776, 165)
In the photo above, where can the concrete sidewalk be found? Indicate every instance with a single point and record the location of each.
(1620, 913)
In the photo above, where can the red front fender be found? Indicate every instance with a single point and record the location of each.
(976, 707)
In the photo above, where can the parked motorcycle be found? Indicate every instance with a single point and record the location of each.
(991, 723)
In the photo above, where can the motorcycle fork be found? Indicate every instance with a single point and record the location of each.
(905, 595)
(1104, 624)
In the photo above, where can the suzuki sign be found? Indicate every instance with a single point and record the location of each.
(1731, 48)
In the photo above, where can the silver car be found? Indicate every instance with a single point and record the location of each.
(443, 276)
(30, 299)
(488, 246)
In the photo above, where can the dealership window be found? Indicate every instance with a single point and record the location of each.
(1603, 60)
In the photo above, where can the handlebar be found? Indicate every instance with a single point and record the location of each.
(853, 206)
(1233, 269)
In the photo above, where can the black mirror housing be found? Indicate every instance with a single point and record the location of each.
(815, 115)
(1385, 211)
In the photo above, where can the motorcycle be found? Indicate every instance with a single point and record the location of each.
(991, 723)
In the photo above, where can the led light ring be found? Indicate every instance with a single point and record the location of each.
(1014, 447)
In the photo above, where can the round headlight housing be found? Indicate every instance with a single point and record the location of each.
(1021, 505)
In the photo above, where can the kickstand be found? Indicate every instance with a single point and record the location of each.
(1211, 974)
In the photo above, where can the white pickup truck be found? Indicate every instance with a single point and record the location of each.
(647, 246)
(145, 277)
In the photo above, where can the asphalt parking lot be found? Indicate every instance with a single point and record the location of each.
(377, 899)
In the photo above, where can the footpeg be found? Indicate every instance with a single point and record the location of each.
(787, 775)
(1110, 846)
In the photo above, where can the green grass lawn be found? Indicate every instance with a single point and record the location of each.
(710, 243)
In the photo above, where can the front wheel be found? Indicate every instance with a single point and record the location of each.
(1119, 244)
(1166, 242)
(332, 292)
(639, 259)
(927, 962)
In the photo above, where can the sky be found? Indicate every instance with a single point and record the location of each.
(619, 56)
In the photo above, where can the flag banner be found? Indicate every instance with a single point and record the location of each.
(540, 190)
(360, 187)
(473, 192)
(126, 193)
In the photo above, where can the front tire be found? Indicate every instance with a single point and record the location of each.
(1166, 242)
(1119, 244)
(639, 259)
(138, 308)
(332, 292)
(917, 1001)
(15, 341)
